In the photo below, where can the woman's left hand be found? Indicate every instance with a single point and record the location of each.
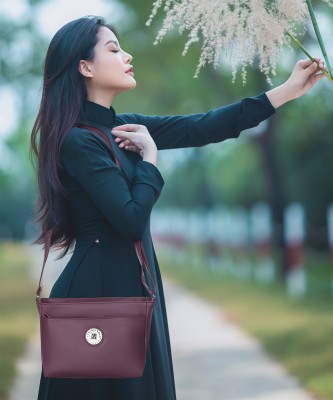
(304, 76)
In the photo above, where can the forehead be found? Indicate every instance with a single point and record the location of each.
(105, 35)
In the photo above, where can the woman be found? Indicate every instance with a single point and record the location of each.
(87, 199)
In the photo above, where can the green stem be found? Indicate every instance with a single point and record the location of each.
(318, 34)
(299, 44)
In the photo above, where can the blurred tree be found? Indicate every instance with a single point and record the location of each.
(241, 177)
(20, 70)
(304, 149)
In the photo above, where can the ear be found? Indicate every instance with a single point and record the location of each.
(85, 69)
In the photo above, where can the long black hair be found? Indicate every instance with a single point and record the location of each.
(63, 97)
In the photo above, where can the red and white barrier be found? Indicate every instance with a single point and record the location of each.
(294, 235)
(220, 239)
(330, 237)
(261, 234)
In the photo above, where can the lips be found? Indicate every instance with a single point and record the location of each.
(130, 70)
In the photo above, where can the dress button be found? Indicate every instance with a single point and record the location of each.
(96, 241)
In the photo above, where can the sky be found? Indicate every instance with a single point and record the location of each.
(53, 14)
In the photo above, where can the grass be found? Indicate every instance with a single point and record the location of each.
(17, 310)
(299, 334)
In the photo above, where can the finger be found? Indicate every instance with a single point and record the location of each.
(133, 148)
(126, 127)
(119, 140)
(318, 77)
(303, 64)
(126, 142)
(123, 134)
(312, 68)
(320, 63)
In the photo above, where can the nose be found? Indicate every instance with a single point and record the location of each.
(128, 57)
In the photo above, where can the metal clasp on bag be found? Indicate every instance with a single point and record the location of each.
(38, 292)
(94, 336)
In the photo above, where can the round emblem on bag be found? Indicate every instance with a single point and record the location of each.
(94, 336)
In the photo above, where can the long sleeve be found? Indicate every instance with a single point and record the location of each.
(88, 160)
(216, 125)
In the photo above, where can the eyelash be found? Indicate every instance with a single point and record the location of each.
(115, 51)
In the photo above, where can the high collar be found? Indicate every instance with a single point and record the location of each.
(94, 112)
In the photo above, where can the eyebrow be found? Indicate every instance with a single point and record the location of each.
(111, 41)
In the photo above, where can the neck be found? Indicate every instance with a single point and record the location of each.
(104, 99)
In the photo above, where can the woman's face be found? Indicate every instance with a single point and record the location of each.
(108, 71)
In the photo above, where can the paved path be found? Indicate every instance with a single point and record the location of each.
(213, 359)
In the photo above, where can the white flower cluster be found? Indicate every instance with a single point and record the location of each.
(239, 30)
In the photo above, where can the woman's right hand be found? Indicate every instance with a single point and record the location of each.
(134, 137)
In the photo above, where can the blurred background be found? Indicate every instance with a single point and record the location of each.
(246, 224)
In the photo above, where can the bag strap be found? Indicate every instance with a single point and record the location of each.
(140, 251)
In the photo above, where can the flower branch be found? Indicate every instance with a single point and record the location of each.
(319, 38)
(239, 31)
(299, 44)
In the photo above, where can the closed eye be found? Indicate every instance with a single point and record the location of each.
(115, 51)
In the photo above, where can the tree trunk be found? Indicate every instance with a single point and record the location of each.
(276, 195)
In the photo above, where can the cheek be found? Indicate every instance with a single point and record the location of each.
(105, 61)
(110, 71)
(112, 66)
(107, 70)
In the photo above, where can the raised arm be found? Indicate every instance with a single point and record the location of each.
(218, 124)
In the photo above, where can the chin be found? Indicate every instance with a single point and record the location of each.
(131, 86)
(128, 86)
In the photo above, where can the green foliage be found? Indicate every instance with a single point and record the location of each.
(23, 49)
(229, 173)
(17, 310)
(305, 148)
(17, 193)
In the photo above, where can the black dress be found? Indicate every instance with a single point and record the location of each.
(115, 208)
